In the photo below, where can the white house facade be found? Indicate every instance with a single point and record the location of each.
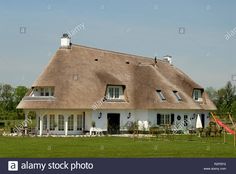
(71, 122)
(85, 87)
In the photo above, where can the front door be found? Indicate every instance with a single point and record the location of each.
(113, 123)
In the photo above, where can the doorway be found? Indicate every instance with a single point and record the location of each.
(203, 120)
(113, 123)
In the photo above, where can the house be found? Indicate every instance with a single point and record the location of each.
(82, 86)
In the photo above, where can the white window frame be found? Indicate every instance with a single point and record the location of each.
(52, 121)
(47, 92)
(42, 92)
(115, 93)
(45, 122)
(110, 93)
(61, 122)
(71, 123)
(161, 95)
(79, 122)
(197, 95)
(176, 93)
(165, 119)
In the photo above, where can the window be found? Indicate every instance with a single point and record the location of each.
(115, 92)
(60, 122)
(177, 95)
(167, 119)
(40, 91)
(163, 119)
(71, 123)
(45, 122)
(46, 92)
(197, 95)
(52, 122)
(160, 94)
(79, 122)
(111, 92)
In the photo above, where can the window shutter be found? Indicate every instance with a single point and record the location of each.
(172, 118)
(158, 119)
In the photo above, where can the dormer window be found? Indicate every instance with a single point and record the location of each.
(161, 95)
(176, 93)
(115, 92)
(42, 92)
(197, 95)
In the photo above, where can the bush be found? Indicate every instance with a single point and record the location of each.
(132, 126)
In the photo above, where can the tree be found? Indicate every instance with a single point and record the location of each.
(221, 104)
(229, 95)
(9, 99)
(224, 98)
(234, 108)
(212, 93)
(19, 93)
(6, 97)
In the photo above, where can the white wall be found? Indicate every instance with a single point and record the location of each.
(102, 122)
(145, 118)
(152, 115)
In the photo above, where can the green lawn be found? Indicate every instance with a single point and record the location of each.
(116, 147)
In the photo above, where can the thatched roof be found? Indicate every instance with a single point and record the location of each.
(81, 74)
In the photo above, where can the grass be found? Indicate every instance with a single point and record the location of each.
(116, 147)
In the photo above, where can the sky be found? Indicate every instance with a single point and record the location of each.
(200, 35)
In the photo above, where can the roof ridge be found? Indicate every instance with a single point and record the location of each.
(115, 52)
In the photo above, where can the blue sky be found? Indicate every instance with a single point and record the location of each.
(143, 27)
